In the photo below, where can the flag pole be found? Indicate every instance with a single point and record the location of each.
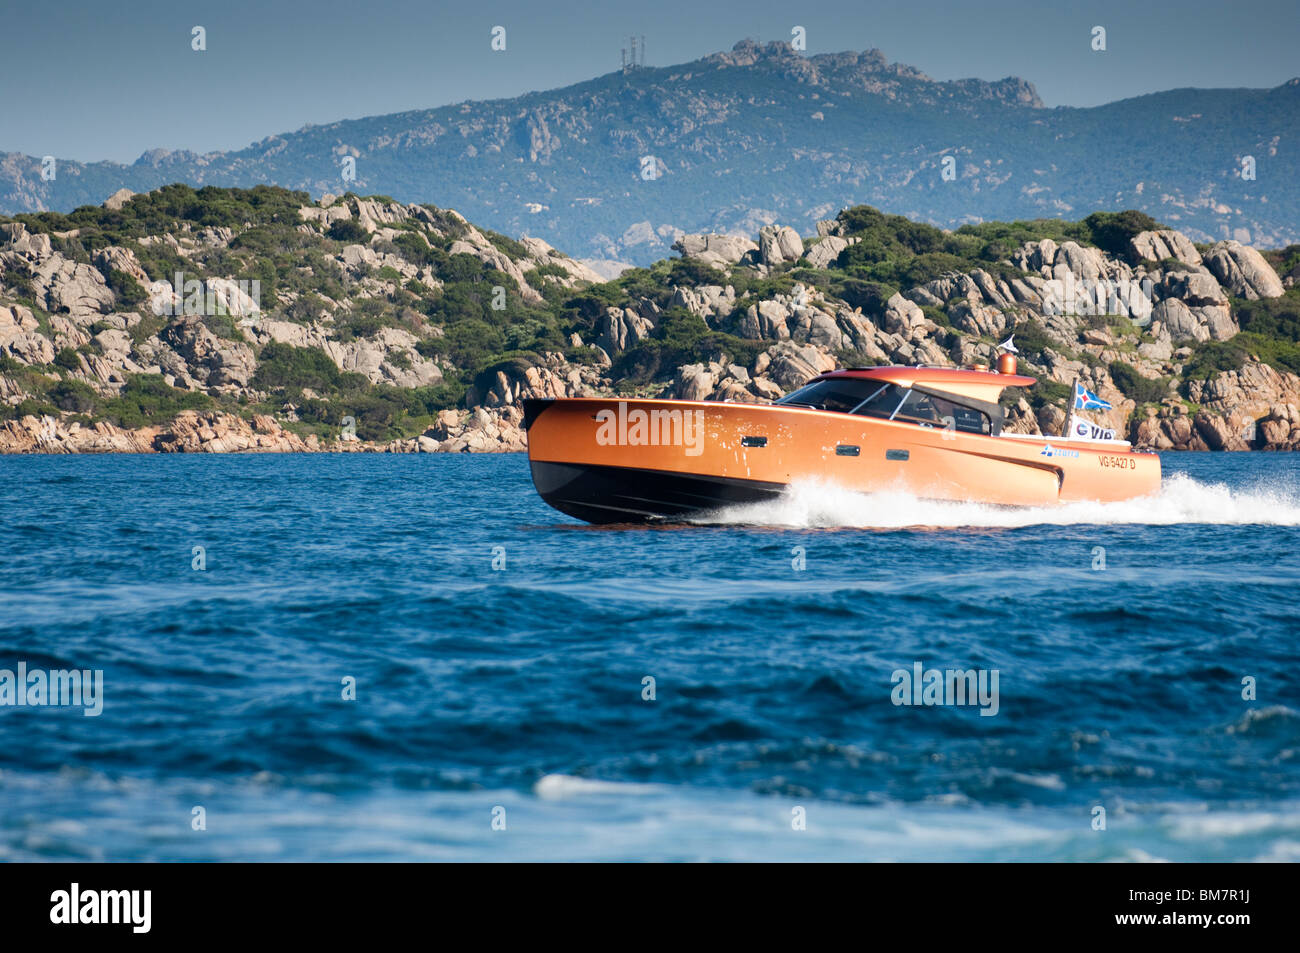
(1069, 417)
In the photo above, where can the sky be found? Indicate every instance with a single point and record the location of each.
(89, 80)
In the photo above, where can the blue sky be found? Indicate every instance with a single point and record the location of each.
(95, 80)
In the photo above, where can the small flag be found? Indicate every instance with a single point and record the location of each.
(1085, 399)
(1009, 345)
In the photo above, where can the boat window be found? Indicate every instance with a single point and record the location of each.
(882, 403)
(931, 411)
(969, 420)
(918, 408)
(839, 394)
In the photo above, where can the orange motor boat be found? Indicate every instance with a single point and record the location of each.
(935, 433)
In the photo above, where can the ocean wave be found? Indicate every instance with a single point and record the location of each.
(597, 820)
(1273, 718)
(556, 787)
(1182, 499)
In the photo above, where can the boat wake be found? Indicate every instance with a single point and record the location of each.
(1181, 499)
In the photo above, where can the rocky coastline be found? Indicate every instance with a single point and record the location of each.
(366, 339)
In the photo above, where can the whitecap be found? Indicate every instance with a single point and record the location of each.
(1182, 499)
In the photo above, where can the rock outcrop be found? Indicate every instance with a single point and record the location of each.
(205, 358)
(190, 432)
(777, 244)
(1158, 246)
(715, 249)
(1243, 271)
(374, 309)
(620, 329)
(824, 253)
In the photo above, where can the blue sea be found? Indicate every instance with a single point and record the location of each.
(527, 688)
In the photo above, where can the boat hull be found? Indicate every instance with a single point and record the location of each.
(605, 460)
(600, 494)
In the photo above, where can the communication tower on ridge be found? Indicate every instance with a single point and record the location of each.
(637, 57)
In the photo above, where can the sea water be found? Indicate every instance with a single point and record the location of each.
(338, 657)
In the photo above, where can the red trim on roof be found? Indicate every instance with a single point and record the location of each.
(934, 375)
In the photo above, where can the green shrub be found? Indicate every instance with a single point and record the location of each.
(1002, 238)
(1141, 390)
(225, 326)
(149, 400)
(67, 357)
(894, 251)
(127, 289)
(461, 267)
(469, 344)
(1284, 260)
(691, 272)
(28, 406)
(306, 309)
(1211, 357)
(369, 316)
(1044, 393)
(161, 263)
(749, 284)
(1271, 317)
(507, 246)
(1111, 231)
(937, 315)
(680, 337)
(283, 365)
(381, 412)
(349, 231)
(870, 296)
(414, 248)
(166, 208)
(547, 271)
(20, 282)
(148, 325)
(73, 396)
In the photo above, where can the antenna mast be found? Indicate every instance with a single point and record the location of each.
(633, 55)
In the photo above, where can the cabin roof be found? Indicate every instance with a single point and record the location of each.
(981, 385)
(939, 376)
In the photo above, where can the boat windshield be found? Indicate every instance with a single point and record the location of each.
(839, 394)
(869, 398)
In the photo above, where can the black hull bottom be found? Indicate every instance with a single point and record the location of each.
(598, 494)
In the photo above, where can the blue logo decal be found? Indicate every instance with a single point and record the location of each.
(1050, 451)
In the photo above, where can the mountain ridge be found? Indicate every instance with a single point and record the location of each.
(761, 134)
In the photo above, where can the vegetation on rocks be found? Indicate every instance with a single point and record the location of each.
(414, 329)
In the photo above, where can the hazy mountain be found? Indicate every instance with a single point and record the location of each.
(761, 135)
